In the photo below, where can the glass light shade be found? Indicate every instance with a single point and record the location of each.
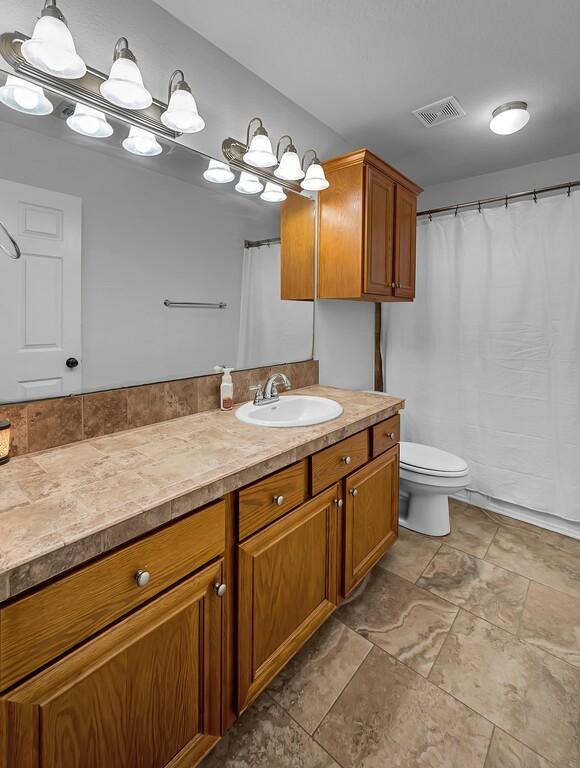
(315, 179)
(249, 184)
(140, 142)
(24, 97)
(509, 118)
(273, 193)
(181, 114)
(260, 153)
(51, 49)
(4, 441)
(218, 172)
(125, 86)
(289, 167)
(89, 122)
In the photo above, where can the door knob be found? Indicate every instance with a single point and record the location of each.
(142, 578)
(72, 362)
(278, 500)
(346, 459)
(353, 492)
(220, 589)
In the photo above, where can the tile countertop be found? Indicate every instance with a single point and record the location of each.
(64, 506)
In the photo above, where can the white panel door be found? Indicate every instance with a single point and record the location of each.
(40, 294)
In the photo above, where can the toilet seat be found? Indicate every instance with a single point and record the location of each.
(426, 460)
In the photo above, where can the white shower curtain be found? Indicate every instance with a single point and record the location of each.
(271, 330)
(488, 355)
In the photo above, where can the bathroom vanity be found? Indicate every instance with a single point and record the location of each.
(143, 613)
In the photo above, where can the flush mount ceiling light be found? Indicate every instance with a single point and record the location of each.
(249, 184)
(218, 172)
(181, 114)
(509, 118)
(124, 87)
(273, 193)
(24, 97)
(141, 142)
(289, 168)
(89, 122)
(315, 180)
(51, 47)
(259, 152)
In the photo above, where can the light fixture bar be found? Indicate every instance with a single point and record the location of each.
(233, 150)
(86, 90)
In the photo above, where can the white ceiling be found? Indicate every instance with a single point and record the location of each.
(361, 66)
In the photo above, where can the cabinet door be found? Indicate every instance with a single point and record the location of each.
(380, 207)
(405, 242)
(370, 516)
(287, 588)
(143, 694)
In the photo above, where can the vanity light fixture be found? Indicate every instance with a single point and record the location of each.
(51, 47)
(141, 142)
(259, 149)
(315, 180)
(218, 172)
(273, 193)
(249, 184)
(4, 441)
(509, 117)
(289, 168)
(124, 87)
(89, 122)
(181, 114)
(24, 97)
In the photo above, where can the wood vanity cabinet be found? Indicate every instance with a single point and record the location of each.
(143, 694)
(367, 222)
(371, 513)
(287, 587)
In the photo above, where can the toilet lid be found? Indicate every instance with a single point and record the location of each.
(431, 461)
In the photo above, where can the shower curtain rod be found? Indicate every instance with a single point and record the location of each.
(569, 185)
(258, 243)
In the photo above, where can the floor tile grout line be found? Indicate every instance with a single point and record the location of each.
(429, 563)
(489, 745)
(491, 542)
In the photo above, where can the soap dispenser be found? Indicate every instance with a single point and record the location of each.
(226, 387)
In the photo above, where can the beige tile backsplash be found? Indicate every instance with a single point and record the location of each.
(49, 423)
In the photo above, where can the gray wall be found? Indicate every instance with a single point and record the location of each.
(228, 95)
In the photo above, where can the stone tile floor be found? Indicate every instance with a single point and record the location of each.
(463, 652)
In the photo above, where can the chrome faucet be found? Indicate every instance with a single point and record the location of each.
(269, 394)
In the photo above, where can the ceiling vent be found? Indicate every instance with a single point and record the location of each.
(441, 111)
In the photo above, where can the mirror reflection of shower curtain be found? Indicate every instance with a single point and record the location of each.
(270, 329)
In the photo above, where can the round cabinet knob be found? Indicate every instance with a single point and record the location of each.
(393, 285)
(72, 362)
(353, 492)
(391, 435)
(278, 500)
(220, 589)
(346, 459)
(142, 578)
(339, 503)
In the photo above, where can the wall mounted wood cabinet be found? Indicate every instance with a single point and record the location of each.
(367, 222)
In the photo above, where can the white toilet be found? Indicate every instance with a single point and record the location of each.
(428, 477)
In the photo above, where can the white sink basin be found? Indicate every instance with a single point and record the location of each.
(290, 411)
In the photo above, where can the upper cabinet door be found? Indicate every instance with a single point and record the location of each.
(379, 235)
(405, 242)
(144, 694)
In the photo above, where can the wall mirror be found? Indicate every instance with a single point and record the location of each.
(115, 247)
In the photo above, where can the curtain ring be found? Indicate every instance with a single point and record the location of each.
(479, 206)
(569, 189)
(456, 209)
(535, 196)
(506, 201)
(430, 216)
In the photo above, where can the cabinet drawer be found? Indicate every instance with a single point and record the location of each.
(266, 500)
(386, 434)
(339, 460)
(46, 623)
